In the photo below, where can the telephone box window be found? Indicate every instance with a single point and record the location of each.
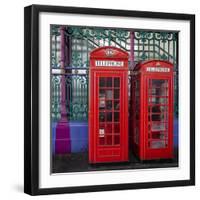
(109, 105)
(116, 94)
(116, 82)
(116, 105)
(109, 82)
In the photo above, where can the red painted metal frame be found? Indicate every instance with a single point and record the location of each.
(108, 153)
(141, 145)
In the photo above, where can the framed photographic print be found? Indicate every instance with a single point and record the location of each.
(109, 99)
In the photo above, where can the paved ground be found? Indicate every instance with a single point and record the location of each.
(78, 162)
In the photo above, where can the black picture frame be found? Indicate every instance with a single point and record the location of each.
(31, 98)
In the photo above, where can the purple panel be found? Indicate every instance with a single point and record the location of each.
(62, 143)
(62, 146)
(62, 130)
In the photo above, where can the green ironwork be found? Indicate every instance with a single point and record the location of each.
(82, 40)
(55, 97)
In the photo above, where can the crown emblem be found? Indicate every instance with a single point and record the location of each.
(157, 64)
(109, 52)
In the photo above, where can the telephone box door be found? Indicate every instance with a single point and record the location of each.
(109, 130)
(159, 117)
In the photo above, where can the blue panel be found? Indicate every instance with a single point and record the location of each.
(79, 136)
(53, 136)
(175, 132)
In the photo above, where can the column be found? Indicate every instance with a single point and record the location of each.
(63, 143)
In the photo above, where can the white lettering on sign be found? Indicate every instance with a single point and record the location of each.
(109, 63)
(158, 69)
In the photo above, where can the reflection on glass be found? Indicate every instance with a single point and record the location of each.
(109, 128)
(116, 128)
(157, 144)
(102, 93)
(158, 100)
(159, 83)
(102, 82)
(116, 105)
(158, 135)
(116, 82)
(163, 108)
(109, 105)
(102, 140)
(102, 126)
(102, 117)
(158, 109)
(158, 87)
(156, 117)
(158, 91)
(157, 126)
(116, 116)
(116, 94)
(102, 99)
(109, 139)
(109, 116)
(109, 94)
(109, 82)
(116, 139)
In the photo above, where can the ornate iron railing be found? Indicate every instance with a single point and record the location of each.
(80, 41)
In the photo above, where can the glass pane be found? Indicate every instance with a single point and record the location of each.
(159, 83)
(109, 140)
(102, 117)
(158, 109)
(156, 117)
(102, 82)
(109, 94)
(116, 139)
(116, 128)
(109, 82)
(158, 100)
(102, 141)
(102, 126)
(102, 99)
(163, 100)
(158, 126)
(158, 91)
(157, 144)
(109, 128)
(116, 105)
(109, 116)
(158, 135)
(163, 108)
(102, 93)
(109, 105)
(116, 116)
(116, 82)
(116, 94)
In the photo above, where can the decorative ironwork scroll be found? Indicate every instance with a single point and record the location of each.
(81, 41)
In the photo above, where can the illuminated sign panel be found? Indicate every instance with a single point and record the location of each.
(109, 63)
(157, 69)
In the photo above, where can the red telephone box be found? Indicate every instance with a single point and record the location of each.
(108, 105)
(152, 101)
